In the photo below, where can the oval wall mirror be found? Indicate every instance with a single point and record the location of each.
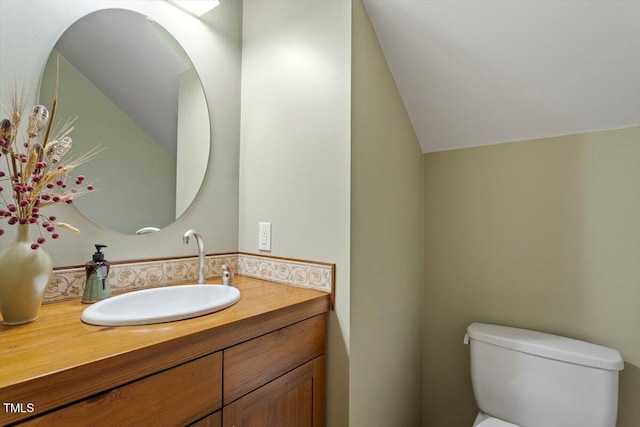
(135, 94)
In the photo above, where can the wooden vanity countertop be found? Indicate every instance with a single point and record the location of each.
(59, 359)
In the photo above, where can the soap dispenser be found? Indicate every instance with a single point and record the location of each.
(97, 286)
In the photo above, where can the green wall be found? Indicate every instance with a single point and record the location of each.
(387, 217)
(542, 235)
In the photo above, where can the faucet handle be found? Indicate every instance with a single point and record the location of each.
(227, 275)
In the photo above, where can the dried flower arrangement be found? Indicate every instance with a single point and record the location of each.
(35, 177)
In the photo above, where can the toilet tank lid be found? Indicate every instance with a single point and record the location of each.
(547, 345)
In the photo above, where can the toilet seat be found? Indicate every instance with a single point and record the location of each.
(484, 420)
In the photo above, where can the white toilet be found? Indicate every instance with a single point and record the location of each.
(524, 378)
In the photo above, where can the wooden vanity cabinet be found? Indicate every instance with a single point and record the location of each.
(277, 379)
(273, 380)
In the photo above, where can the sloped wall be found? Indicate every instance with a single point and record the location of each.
(387, 243)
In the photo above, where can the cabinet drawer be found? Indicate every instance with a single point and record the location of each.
(176, 396)
(254, 363)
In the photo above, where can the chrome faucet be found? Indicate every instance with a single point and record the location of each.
(200, 242)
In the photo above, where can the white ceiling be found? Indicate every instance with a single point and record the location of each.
(484, 72)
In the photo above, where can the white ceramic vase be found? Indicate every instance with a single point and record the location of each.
(24, 274)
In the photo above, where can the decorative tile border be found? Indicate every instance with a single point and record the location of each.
(67, 284)
(289, 272)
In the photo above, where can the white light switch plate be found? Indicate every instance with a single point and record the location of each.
(264, 236)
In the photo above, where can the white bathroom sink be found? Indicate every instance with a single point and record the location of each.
(159, 305)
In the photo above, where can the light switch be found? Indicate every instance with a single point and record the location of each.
(264, 236)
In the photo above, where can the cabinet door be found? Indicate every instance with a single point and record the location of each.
(295, 399)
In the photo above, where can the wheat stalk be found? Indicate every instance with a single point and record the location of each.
(30, 165)
(50, 176)
(54, 103)
(17, 103)
(60, 130)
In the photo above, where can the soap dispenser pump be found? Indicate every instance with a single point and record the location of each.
(97, 286)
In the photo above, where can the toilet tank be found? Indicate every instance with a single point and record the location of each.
(534, 379)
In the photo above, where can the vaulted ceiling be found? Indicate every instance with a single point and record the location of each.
(485, 72)
(477, 72)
